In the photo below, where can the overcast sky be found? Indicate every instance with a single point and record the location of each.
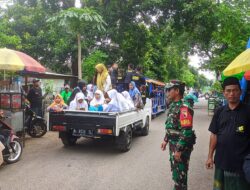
(194, 61)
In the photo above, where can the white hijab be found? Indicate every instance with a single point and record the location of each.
(118, 100)
(128, 99)
(100, 101)
(90, 90)
(75, 105)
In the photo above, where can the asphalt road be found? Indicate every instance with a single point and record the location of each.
(94, 165)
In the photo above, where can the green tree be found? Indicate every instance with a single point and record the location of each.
(187, 77)
(27, 22)
(8, 39)
(216, 86)
(77, 21)
(90, 62)
(155, 34)
(217, 37)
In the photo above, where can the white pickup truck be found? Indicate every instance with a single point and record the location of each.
(120, 126)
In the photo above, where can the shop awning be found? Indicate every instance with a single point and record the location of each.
(156, 82)
(47, 75)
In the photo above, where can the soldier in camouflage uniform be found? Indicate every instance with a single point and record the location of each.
(179, 134)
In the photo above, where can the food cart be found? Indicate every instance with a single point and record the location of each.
(11, 96)
(12, 104)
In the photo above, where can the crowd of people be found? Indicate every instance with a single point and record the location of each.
(102, 94)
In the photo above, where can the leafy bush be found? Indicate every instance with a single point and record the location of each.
(216, 86)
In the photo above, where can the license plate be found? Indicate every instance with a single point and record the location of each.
(82, 132)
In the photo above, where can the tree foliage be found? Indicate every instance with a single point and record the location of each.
(78, 22)
(90, 62)
(158, 35)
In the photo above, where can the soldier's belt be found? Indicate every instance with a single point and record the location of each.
(173, 132)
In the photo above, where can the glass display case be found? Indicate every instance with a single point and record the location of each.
(12, 104)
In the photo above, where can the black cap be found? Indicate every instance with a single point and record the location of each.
(230, 81)
(36, 80)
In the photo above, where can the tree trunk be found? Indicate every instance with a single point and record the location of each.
(79, 56)
(218, 74)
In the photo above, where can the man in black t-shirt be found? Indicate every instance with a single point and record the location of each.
(113, 72)
(138, 77)
(230, 138)
(35, 97)
(128, 77)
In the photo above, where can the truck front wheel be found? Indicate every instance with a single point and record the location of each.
(67, 138)
(124, 140)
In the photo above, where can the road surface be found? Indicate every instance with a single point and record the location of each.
(95, 165)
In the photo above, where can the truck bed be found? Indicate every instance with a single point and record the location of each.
(80, 119)
(120, 126)
(90, 122)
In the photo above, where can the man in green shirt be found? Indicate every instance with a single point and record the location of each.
(66, 93)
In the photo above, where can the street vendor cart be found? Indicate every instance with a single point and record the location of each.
(11, 102)
(11, 95)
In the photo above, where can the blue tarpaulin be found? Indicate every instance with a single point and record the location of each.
(243, 84)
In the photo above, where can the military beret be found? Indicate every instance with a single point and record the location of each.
(175, 83)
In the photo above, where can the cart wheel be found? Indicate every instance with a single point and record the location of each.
(145, 129)
(124, 140)
(67, 139)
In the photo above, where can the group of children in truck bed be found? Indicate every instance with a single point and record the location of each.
(99, 97)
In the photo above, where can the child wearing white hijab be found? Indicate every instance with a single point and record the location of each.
(128, 99)
(116, 102)
(97, 103)
(90, 90)
(79, 103)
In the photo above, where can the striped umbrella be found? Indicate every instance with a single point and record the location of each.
(11, 60)
(239, 65)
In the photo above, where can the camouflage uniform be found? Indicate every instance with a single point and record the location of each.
(181, 138)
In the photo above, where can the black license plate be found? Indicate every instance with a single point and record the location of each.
(82, 132)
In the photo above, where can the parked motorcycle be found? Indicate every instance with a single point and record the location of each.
(12, 146)
(35, 125)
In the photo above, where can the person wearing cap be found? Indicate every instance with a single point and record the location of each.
(35, 97)
(113, 72)
(230, 139)
(138, 77)
(179, 134)
(66, 93)
(129, 75)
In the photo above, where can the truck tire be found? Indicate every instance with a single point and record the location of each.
(67, 138)
(145, 129)
(124, 140)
